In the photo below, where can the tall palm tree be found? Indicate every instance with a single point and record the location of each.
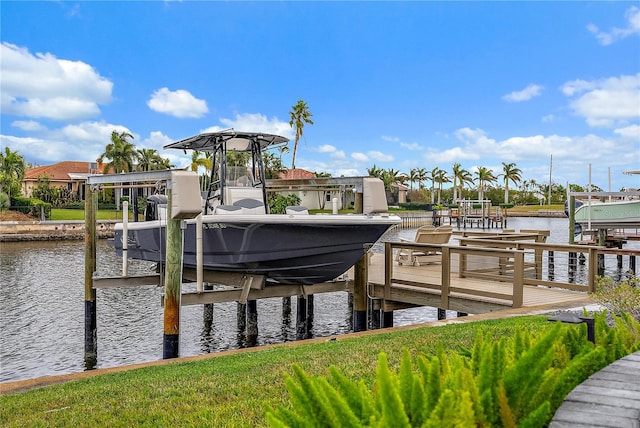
(441, 178)
(300, 115)
(12, 169)
(511, 173)
(422, 177)
(148, 159)
(120, 152)
(484, 176)
(197, 161)
(433, 177)
(374, 171)
(460, 177)
(413, 177)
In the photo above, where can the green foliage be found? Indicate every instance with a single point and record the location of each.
(31, 206)
(415, 206)
(619, 297)
(5, 203)
(279, 204)
(519, 381)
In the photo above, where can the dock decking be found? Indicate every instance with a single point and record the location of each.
(608, 398)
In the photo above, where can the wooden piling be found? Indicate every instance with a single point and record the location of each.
(90, 318)
(360, 295)
(301, 318)
(442, 314)
(252, 322)
(207, 311)
(172, 285)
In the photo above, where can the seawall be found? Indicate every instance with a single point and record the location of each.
(13, 231)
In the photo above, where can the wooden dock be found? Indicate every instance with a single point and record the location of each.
(487, 273)
(608, 398)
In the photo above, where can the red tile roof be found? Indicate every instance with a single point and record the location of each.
(296, 174)
(60, 171)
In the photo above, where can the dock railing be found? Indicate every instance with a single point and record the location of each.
(397, 285)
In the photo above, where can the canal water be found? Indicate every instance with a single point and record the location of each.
(42, 310)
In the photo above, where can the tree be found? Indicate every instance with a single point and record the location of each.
(484, 176)
(433, 177)
(460, 177)
(511, 173)
(149, 159)
(300, 115)
(441, 178)
(197, 161)
(12, 170)
(120, 152)
(374, 171)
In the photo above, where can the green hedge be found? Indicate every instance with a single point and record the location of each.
(415, 206)
(31, 206)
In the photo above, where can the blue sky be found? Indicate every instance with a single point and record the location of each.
(397, 84)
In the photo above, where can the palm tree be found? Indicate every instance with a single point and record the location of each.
(441, 178)
(484, 175)
(12, 169)
(374, 171)
(197, 161)
(511, 173)
(414, 177)
(283, 151)
(460, 177)
(300, 115)
(148, 159)
(433, 177)
(120, 152)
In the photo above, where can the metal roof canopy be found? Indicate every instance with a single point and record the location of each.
(234, 140)
(599, 194)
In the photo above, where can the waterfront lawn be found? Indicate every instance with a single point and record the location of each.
(232, 390)
(66, 214)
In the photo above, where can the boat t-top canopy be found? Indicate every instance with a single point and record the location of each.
(233, 140)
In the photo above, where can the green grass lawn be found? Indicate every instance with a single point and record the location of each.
(231, 390)
(65, 214)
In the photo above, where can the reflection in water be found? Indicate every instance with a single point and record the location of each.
(42, 301)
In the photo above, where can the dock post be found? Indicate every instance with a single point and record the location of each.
(310, 308)
(90, 318)
(632, 264)
(172, 284)
(375, 313)
(207, 312)
(301, 318)
(600, 264)
(252, 322)
(241, 318)
(286, 307)
(387, 319)
(442, 314)
(360, 294)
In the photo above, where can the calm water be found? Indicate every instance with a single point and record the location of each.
(42, 305)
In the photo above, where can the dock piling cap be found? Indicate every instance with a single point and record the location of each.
(185, 195)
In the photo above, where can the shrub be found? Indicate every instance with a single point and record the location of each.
(619, 297)
(516, 381)
(31, 206)
(279, 204)
(415, 206)
(5, 203)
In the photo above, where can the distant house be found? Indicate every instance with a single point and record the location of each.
(296, 174)
(70, 175)
(399, 194)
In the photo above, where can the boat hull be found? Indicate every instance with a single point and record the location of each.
(622, 214)
(285, 250)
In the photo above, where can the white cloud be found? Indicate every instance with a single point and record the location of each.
(631, 132)
(42, 85)
(326, 148)
(390, 139)
(524, 95)
(379, 156)
(178, 103)
(606, 102)
(360, 157)
(255, 122)
(414, 147)
(608, 37)
(27, 125)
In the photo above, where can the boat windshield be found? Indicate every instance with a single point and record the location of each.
(239, 176)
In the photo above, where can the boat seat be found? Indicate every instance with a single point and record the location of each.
(228, 209)
(296, 210)
(250, 206)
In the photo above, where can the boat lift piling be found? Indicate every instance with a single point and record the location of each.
(90, 318)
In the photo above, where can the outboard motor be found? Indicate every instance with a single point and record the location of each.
(156, 208)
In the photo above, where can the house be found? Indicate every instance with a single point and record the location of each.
(70, 175)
